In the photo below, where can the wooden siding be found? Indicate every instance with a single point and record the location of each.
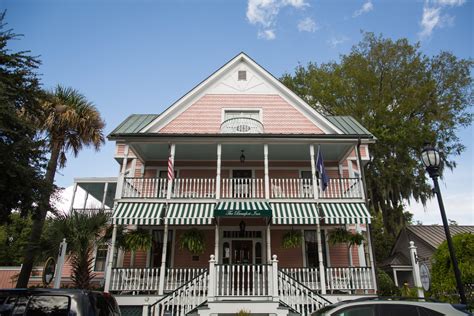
(205, 115)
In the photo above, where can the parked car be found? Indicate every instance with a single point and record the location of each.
(56, 302)
(392, 307)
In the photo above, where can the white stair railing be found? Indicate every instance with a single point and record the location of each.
(297, 296)
(242, 279)
(184, 299)
(176, 277)
(242, 188)
(349, 279)
(291, 189)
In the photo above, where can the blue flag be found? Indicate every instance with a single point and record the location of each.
(321, 170)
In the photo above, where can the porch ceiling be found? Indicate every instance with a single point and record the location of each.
(282, 152)
(96, 190)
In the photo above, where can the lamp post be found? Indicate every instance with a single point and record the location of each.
(431, 160)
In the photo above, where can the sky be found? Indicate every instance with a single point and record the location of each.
(140, 56)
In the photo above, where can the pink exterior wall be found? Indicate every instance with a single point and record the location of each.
(205, 115)
(184, 259)
(287, 257)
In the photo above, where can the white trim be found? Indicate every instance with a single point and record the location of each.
(289, 96)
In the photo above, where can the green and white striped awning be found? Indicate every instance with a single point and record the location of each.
(138, 213)
(190, 214)
(345, 213)
(243, 209)
(295, 213)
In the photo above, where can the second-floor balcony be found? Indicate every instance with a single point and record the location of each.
(242, 125)
(240, 188)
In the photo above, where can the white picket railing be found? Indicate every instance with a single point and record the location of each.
(176, 277)
(194, 188)
(134, 187)
(343, 188)
(299, 297)
(242, 188)
(349, 279)
(242, 279)
(184, 299)
(134, 280)
(291, 188)
(308, 276)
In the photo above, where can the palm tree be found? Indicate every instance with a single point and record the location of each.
(69, 123)
(83, 231)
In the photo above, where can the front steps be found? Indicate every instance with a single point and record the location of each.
(232, 307)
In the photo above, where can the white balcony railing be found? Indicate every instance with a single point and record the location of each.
(291, 189)
(239, 188)
(241, 125)
(242, 279)
(138, 187)
(242, 188)
(349, 279)
(343, 188)
(194, 188)
(176, 277)
(308, 276)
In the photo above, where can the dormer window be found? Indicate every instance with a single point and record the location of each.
(242, 75)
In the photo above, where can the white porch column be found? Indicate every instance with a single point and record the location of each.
(218, 173)
(267, 179)
(104, 196)
(216, 242)
(74, 190)
(121, 178)
(313, 171)
(362, 191)
(360, 249)
(371, 258)
(322, 268)
(161, 285)
(170, 183)
(275, 279)
(416, 270)
(110, 260)
(211, 292)
(269, 243)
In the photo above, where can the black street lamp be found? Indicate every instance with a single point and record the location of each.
(431, 160)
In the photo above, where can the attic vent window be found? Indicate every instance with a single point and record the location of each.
(242, 75)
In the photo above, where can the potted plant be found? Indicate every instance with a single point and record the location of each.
(292, 239)
(193, 241)
(342, 236)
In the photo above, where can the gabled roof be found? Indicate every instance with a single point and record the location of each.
(396, 259)
(180, 105)
(433, 235)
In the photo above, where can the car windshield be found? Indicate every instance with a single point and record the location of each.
(324, 310)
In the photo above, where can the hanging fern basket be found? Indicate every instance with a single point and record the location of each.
(193, 241)
(292, 239)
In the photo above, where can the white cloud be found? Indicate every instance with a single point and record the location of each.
(266, 34)
(336, 41)
(307, 25)
(263, 13)
(432, 17)
(452, 3)
(366, 7)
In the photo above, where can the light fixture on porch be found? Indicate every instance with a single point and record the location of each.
(242, 228)
(242, 156)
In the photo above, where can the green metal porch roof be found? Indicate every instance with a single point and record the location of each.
(134, 123)
(349, 125)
